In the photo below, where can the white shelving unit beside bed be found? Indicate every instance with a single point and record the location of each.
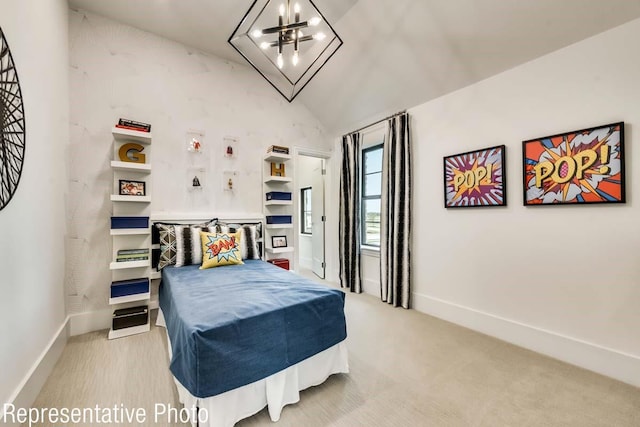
(280, 250)
(130, 231)
(277, 200)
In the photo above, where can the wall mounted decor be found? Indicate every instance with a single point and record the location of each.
(277, 169)
(132, 188)
(229, 146)
(475, 178)
(132, 152)
(195, 142)
(12, 125)
(196, 178)
(229, 179)
(579, 167)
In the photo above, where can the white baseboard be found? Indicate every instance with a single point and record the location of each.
(612, 363)
(306, 263)
(32, 383)
(371, 287)
(82, 323)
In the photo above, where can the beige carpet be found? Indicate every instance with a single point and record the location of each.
(407, 369)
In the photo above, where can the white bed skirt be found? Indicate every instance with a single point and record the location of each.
(275, 391)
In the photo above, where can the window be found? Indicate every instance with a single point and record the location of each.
(305, 211)
(371, 192)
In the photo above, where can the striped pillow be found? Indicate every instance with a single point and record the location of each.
(249, 242)
(249, 238)
(188, 243)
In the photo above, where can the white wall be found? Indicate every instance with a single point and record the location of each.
(370, 272)
(118, 71)
(32, 225)
(563, 280)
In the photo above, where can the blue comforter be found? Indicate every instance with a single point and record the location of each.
(233, 325)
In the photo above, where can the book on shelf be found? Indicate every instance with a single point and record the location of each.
(133, 251)
(126, 259)
(132, 256)
(132, 128)
(130, 317)
(130, 281)
(128, 124)
(123, 288)
(278, 149)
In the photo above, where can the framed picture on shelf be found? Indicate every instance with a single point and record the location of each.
(475, 178)
(578, 167)
(132, 188)
(279, 241)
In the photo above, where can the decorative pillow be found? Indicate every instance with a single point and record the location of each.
(167, 245)
(166, 237)
(249, 237)
(220, 249)
(188, 245)
(249, 242)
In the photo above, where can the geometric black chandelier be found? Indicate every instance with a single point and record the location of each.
(286, 43)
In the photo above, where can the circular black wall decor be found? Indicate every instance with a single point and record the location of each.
(12, 130)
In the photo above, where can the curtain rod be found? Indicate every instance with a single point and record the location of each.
(379, 121)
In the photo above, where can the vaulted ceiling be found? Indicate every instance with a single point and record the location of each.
(396, 53)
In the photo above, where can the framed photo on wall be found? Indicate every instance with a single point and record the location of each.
(132, 188)
(475, 179)
(579, 167)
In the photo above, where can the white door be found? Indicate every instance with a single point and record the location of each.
(318, 220)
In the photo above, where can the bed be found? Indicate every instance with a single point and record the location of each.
(242, 337)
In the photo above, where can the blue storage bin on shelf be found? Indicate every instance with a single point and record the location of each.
(278, 219)
(279, 195)
(129, 222)
(123, 288)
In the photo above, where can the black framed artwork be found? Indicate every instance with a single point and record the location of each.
(475, 178)
(132, 188)
(279, 241)
(579, 167)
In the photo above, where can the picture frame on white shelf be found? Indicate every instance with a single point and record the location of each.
(279, 241)
(127, 187)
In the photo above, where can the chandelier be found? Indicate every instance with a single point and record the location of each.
(286, 43)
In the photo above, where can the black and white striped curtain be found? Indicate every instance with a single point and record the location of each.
(395, 221)
(349, 223)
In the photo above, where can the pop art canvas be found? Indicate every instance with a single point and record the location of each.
(584, 166)
(475, 179)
